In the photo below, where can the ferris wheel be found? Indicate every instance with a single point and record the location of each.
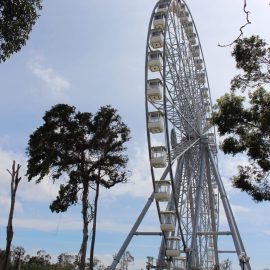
(182, 147)
(178, 107)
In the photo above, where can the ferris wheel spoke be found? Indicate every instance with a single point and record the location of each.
(177, 118)
(183, 59)
(183, 147)
(173, 69)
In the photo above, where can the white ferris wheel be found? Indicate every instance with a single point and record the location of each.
(187, 187)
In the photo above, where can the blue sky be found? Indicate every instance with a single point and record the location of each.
(88, 54)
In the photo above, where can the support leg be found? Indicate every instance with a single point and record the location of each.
(131, 233)
(243, 259)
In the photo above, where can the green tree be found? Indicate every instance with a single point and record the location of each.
(88, 150)
(243, 116)
(39, 262)
(66, 261)
(16, 21)
(17, 257)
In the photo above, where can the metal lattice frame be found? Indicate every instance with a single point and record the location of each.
(189, 140)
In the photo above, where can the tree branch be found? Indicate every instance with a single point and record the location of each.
(242, 27)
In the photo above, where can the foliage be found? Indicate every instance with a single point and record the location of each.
(76, 144)
(124, 262)
(244, 117)
(42, 261)
(66, 261)
(252, 56)
(98, 265)
(86, 150)
(16, 21)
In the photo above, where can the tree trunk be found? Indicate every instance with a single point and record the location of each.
(85, 206)
(94, 229)
(9, 240)
(15, 179)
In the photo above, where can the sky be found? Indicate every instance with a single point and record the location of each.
(89, 54)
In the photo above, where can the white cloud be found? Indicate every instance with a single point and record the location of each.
(65, 223)
(56, 85)
(27, 191)
(240, 209)
(237, 210)
(110, 226)
(228, 168)
(105, 259)
(46, 225)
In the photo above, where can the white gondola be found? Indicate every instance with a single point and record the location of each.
(155, 60)
(208, 124)
(162, 190)
(204, 92)
(159, 20)
(154, 89)
(213, 148)
(195, 50)
(178, 8)
(172, 247)
(216, 199)
(191, 34)
(189, 28)
(185, 22)
(210, 258)
(156, 38)
(198, 63)
(192, 41)
(158, 156)
(179, 263)
(163, 6)
(201, 77)
(155, 122)
(208, 109)
(167, 221)
(206, 103)
(184, 15)
(214, 183)
(211, 137)
(185, 18)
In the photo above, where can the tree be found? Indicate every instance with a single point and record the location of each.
(16, 21)
(18, 253)
(88, 150)
(2, 257)
(15, 180)
(66, 260)
(98, 265)
(244, 117)
(226, 265)
(126, 259)
(39, 262)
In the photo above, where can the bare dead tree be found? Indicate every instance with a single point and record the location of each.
(242, 27)
(15, 180)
